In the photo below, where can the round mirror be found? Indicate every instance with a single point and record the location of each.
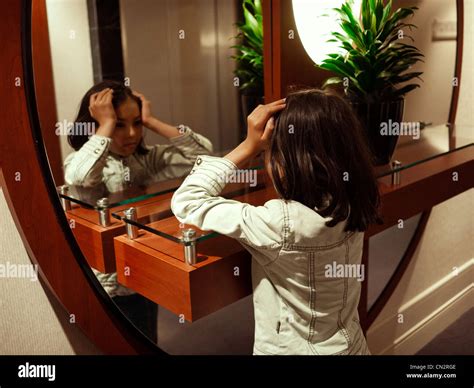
(129, 94)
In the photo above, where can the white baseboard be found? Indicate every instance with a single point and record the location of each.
(422, 318)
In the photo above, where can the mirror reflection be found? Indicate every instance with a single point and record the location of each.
(154, 84)
(112, 150)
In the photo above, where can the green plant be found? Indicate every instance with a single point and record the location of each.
(374, 61)
(250, 50)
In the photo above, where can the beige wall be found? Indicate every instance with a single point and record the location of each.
(431, 102)
(31, 319)
(71, 57)
(189, 81)
(437, 286)
(465, 115)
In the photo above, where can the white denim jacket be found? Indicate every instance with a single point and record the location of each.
(299, 309)
(93, 164)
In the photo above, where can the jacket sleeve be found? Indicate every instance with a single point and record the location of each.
(174, 160)
(196, 202)
(84, 167)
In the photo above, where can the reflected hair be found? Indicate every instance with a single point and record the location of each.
(121, 94)
(319, 157)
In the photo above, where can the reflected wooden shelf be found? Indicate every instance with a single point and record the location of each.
(96, 241)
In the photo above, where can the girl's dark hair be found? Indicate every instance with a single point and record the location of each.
(320, 158)
(77, 139)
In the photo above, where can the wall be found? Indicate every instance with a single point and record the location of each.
(32, 321)
(190, 80)
(465, 115)
(431, 102)
(437, 286)
(71, 57)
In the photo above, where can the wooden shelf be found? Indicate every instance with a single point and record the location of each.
(221, 277)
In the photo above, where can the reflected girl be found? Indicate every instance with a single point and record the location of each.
(115, 154)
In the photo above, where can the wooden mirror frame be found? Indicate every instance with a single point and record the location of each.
(33, 200)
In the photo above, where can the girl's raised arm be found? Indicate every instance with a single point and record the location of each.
(197, 202)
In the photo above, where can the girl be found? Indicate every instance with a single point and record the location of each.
(319, 163)
(115, 155)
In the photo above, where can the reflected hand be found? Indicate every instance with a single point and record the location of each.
(101, 108)
(152, 122)
(147, 117)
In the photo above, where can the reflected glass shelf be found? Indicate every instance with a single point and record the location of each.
(89, 197)
(99, 197)
(153, 219)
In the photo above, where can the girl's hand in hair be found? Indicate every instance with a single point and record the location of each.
(152, 122)
(102, 110)
(260, 124)
(260, 127)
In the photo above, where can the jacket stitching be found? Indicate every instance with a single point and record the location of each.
(209, 180)
(286, 218)
(312, 302)
(266, 247)
(277, 245)
(320, 247)
(344, 301)
(227, 164)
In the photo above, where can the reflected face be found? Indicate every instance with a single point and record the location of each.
(128, 130)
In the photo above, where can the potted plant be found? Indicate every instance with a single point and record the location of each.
(374, 68)
(249, 56)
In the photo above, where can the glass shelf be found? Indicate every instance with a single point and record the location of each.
(152, 217)
(433, 142)
(90, 198)
(152, 209)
